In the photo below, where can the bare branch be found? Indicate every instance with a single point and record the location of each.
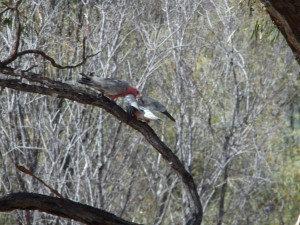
(4, 10)
(85, 37)
(26, 171)
(298, 221)
(30, 68)
(56, 206)
(13, 54)
(53, 63)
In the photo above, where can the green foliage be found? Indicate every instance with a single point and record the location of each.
(7, 21)
(287, 172)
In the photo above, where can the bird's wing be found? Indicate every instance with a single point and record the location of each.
(155, 105)
(152, 104)
(85, 80)
(146, 113)
(110, 86)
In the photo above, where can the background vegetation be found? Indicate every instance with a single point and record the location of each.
(221, 68)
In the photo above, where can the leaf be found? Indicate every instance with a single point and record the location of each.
(255, 31)
(7, 21)
(230, 36)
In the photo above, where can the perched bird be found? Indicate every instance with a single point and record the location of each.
(142, 108)
(154, 105)
(134, 108)
(145, 114)
(111, 87)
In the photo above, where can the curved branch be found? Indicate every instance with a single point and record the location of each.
(78, 94)
(56, 206)
(53, 63)
(281, 19)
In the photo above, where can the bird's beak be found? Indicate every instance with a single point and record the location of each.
(138, 97)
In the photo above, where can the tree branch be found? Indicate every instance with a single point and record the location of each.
(34, 77)
(53, 63)
(4, 10)
(56, 206)
(281, 19)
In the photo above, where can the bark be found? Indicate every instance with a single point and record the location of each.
(59, 207)
(286, 16)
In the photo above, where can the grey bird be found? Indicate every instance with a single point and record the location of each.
(154, 105)
(142, 108)
(111, 87)
(134, 108)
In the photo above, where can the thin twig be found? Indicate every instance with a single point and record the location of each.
(14, 51)
(298, 221)
(85, 37)
(24, 170)
(53, 63)
(30, 68)
(4, 10)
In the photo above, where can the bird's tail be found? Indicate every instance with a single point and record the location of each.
(85, 79)
(168, 115)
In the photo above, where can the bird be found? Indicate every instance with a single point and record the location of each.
(134, 108)
(111, 87)
(145, 114)
(142, 108)
(154, 105)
